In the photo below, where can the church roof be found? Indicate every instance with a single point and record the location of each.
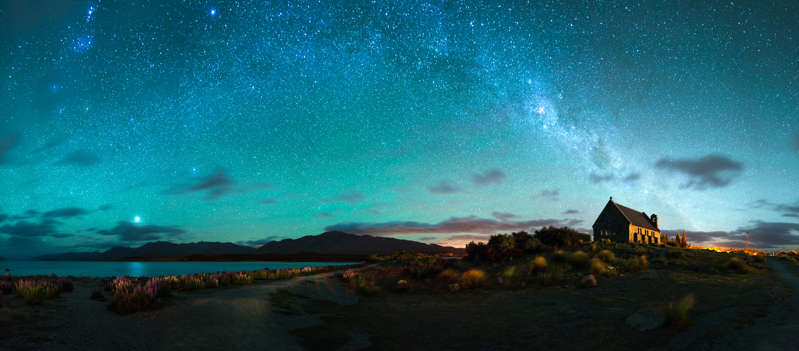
(635, 217)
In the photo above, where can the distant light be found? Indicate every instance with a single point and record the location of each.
(137, 219)
(213, 12)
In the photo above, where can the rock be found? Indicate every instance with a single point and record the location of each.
(588, 281)
(454, 287)
(646, 319)
(402, 285)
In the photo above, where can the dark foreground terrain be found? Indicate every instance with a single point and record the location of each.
(752, 308)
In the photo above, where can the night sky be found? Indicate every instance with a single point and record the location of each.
(442, 122)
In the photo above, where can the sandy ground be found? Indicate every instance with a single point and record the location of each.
(238, 318)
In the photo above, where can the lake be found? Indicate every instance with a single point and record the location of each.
(141, 269)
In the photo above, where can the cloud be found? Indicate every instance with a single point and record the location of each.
(6, 144)
(50, 144)
(762, 235)
(352, 198)
(492, 176)
(787, 210)
(215, 185)
(324, 215)
(551, 194)
(444, 187)
(259, 242)
(81, 158)
(632, 177)
(453, 225)
(3, 217)
(127, 231)
(711, 171)
(597, 178)
(502, 216)
(26, 215)
(105, 207)
(68, 212)
(571, 211)
(267, 202)
(28, 229)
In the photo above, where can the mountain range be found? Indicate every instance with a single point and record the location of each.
(325, 245)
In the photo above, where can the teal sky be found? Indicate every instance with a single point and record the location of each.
(435, 121)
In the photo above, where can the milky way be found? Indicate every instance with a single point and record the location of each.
(239, 121)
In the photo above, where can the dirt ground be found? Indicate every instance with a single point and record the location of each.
(733, 311)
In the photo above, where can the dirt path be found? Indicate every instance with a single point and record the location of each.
(777, 330)
(238, 318)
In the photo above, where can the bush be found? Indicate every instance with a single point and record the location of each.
(560, 256)
(579, 259)
(473, 278)
(598, 267)
(677, 312)
(606, 255)
(7, 287)
(35, 291)
(364, 285)
(636, 264)
(242, 278)
(130, 297)
(539, 263)
(564, 237)
(65, 284)
(738, 265)
(449, 275)
(424, 267)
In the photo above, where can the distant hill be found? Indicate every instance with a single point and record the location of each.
(340, 243)
(328, 246)
(157, 249)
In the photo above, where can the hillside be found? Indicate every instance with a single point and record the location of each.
(313, 246)
(348, 244)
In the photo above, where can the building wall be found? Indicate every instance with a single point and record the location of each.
(643, 235)
(611, 221)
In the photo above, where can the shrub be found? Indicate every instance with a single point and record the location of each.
(7, 287)
(449, 275)
(677, 312)
(364, 285)
(350, 273)
(606, 255)
(579, 259)
(473, 278)
(424, 267)
(598, 267)
(636, 264)
(560, 256)
(242, 278)
(35, 291)
(738, 265)
(190, 282)
(561, 237)
(130, 297)
(65, 284)
(539, 263)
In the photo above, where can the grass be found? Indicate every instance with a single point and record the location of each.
(677, 312)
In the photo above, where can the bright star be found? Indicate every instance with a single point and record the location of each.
(213, 12)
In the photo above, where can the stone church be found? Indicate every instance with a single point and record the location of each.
(620, 223)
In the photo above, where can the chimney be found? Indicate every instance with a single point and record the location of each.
(654, 220)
